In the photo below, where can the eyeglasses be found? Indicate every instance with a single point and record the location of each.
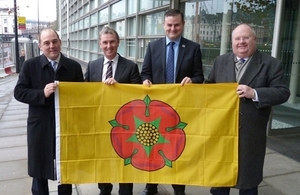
(242, 38)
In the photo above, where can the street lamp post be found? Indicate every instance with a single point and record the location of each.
(16, 38)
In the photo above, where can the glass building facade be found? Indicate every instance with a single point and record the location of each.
(208, 22)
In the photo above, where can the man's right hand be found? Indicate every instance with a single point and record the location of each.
(147, 82)
(49, 89)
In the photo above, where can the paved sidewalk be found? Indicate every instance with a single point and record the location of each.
(281, 174)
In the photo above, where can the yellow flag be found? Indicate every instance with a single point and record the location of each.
(168, 134)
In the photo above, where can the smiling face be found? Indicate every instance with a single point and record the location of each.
(173, 26)
(243, 41)
(50, 44)
(109, 44)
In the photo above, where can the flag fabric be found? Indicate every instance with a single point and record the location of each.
(126, 133)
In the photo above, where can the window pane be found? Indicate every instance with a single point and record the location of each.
(94, 19)
(117, 10)
(103, 16)
(80, 25)
(86, 22)
(121, 49)
(131, 46)
(102, 1)
(80, 35)
(94, 33)
(86, 35)
(131, 6)
(146, 4)
(86, 8)
(131, 26)
(94, 46)
(153, 24)
(92, 4)
(119, 27)
(143, 43)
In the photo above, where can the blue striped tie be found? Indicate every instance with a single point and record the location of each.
(53, 63)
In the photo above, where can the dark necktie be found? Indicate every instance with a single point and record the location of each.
(170, 64)
(109, 70)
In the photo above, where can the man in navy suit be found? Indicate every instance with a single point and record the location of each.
(111, 69)
(261, 86)
(186, 66)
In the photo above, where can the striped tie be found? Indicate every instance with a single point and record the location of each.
(109, 70)
(239, 64)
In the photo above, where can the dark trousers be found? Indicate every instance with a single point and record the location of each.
(40, 187)
(105, 188)
(177, 188)
(125, 188)
(226, 191)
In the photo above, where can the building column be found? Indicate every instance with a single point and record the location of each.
(295, 63)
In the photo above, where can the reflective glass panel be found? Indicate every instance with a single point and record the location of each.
(146, 4)
(118, 10)
(152, 24)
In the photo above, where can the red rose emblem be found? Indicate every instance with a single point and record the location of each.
(148, 134)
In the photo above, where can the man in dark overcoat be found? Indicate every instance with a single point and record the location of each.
(261, 86)
(35, 87)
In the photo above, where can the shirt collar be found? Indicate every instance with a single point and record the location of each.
(56, 60)
(177, 41)
(115, 59)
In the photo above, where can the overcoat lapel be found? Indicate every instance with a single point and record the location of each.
(229, 72)
(253, 68)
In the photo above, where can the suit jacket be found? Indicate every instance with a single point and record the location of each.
(35, 74)
(126, 72)
(189, 62)
(265, 74)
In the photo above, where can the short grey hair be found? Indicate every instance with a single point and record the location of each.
(108, 30)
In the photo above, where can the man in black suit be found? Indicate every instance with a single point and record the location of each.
(261, 86)
(186, 66)
(110, 69)
(36, 87)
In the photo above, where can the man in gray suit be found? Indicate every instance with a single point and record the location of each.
(111, 69)
(185, 66)
(261, 86)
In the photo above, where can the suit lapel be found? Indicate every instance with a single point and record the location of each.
(164, 57)
(181, 50)
(120, 68)
(99, 71)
